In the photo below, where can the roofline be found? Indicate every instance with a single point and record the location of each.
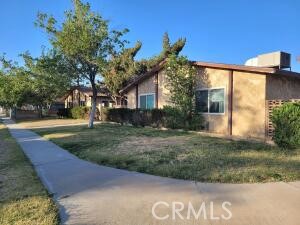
(142, 77)
(234, 67)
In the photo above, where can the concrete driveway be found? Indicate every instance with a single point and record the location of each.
(91, 194)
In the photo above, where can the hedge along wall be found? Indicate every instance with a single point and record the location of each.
(169, 117)
(77, 112)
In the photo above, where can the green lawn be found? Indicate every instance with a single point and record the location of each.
(178, 154)
(23, 200)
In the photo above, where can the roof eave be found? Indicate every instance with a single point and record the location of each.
(242, 68)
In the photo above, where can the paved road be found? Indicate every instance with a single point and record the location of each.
(91, 194)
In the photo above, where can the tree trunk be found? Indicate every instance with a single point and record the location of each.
(93, 111)
(114, 98)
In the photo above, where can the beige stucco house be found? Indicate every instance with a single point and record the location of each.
(234, 99)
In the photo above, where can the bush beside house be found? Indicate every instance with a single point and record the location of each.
(169, 117)
(77, 112)
(286, 120)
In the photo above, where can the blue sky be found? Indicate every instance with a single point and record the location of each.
(228, 31)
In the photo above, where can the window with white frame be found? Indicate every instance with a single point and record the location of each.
(146, 101)
(210, 100)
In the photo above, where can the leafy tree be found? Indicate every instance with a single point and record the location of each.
(49, 76)
(181, 82)
(121, 68)
(15, 85)
(86, 42)
(145, 65)
(39, 82)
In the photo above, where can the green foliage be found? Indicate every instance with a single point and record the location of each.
(64, 113)
(196, 122)
(138, 118)
(49, 75)
(286, 120)
(121, 68)
(39, 82)
(145, 65)
(118, 115)
(83, 112)
(169, 117)
(15, 87)
(85, 41)
(79, 112)
(157, 116)
(174, 118)
(181, 79)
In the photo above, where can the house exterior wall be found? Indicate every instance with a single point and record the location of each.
(249, 94)
(131, 99)
(282, 88)
(249, 109)
(208, 78)
(215, 78)
(163, 92)
(147, 86)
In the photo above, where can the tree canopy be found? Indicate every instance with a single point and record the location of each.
(15, 85)
(50, 77)
(86, 42)
(123, 66)
(181, 82)
(168, 49)
(39, 82)
(120, 69)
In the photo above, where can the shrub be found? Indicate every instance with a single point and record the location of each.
(136, 118)
(118, 115)
(286, 121)
(157, 117)
(104, 114)
(83, 112)
(174, 118)
(79, 112)
(196, 122)
(64, 113)
(169, 117)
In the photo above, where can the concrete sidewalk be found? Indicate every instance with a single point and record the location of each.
(91, 194)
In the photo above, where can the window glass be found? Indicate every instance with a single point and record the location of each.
(216, 101)
(147, 101)
(143, 100)
(210, 101)
(150, 101)
(202, 101)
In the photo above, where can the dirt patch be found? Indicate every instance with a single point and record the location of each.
(146, 144)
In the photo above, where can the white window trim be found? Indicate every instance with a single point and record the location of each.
(139, 101)
(214, 88)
